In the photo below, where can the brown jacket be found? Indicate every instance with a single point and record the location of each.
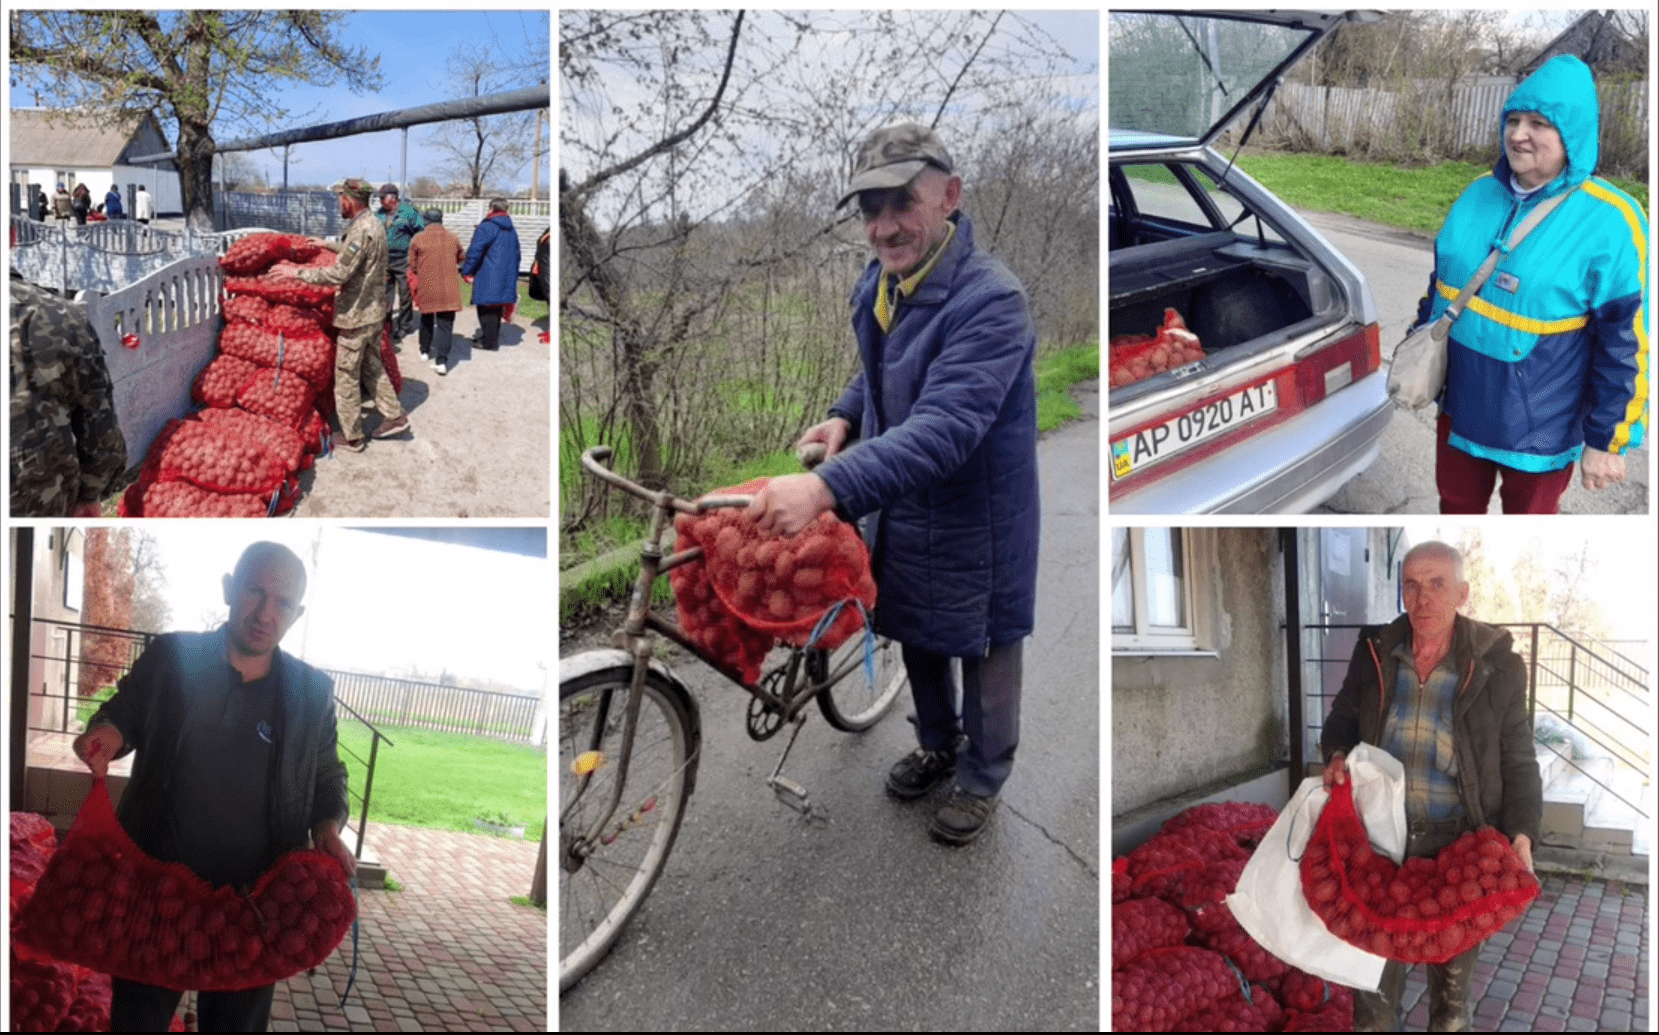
(1497, 764)
(435, 257)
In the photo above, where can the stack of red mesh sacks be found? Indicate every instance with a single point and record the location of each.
(48, 994)
(267, 395)
(1425, 911)
(1180, 961)
(102, 903)
(1135, 357)
(753, 588)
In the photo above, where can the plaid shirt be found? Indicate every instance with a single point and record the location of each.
(1419, 733)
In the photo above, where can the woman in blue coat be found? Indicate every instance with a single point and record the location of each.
(1548, 365)
(492, 265)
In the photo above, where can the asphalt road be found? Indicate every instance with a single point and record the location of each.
(1397, 265)
(851, 918)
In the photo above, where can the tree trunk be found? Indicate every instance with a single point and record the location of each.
(195, 157)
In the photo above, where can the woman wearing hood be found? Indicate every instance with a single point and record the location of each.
(1548, 364)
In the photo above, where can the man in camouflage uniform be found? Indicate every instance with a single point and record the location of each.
(359, 314)
(66, 446)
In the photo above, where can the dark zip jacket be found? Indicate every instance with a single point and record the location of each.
(1497, 764)
(308, 782)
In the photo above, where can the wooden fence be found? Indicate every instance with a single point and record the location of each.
(1426, 119)
(390, 702)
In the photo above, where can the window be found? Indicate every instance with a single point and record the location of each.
(1155, 599)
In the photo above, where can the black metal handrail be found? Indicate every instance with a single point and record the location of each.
(1630, 675)
(368, 769)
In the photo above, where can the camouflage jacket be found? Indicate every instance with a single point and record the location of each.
(66, 445)
(360, 274)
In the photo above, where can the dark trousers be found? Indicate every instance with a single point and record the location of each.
(1465, 482)
(1449, 982)
(489, 325)
(398, 301)
(136, 1007)
(990, 713)
(437, 331)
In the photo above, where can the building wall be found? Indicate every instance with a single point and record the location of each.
(1182, 723)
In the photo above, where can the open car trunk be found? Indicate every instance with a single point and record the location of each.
(1238, 297)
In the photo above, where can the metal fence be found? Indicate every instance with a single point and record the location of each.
(101, 258)
(453, 709)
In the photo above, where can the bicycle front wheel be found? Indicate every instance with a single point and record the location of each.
(603, 885)
(855, 703)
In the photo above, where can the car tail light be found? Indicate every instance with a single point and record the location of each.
(1337, 365)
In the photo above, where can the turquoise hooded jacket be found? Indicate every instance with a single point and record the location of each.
(1551, 354)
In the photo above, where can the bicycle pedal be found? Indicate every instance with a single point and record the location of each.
(791, 793)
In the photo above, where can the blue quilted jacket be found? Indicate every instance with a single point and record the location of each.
(492, 261)
(946, 408)
(1552, 352)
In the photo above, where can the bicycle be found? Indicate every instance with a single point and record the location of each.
(630, 733)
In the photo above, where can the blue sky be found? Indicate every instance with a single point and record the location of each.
(413, 48)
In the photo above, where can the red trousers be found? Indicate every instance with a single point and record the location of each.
(1465, 482)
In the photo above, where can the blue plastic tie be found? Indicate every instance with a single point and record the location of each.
(828, 619)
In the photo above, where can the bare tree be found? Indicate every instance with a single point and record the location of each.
(704, 268)
(208, 69)
(480, 150)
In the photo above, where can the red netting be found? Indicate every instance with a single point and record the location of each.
(284, 396)
(1245, 822)
(1236, 1012)
(247, 309)
(294, 320)
(104, 904)
(33, 841)
(755, 587)
(388, 359)
(285, 444)
(1425, 911)
(1138, 356)
(1143, 924)
(180, 499)
(214, 455)
(280, 285)
(1158, 989)
(221, 379)
(257, 252)
(309, 354)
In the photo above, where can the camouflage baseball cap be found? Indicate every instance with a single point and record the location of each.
(893, 155)
(356, 186)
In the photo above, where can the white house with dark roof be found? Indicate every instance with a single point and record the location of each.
(53, 146)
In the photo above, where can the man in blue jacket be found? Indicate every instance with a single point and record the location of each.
(946, 469)
(236, 762)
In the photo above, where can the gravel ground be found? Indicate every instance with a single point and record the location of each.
(480, 443)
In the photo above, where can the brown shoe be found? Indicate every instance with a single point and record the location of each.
(355, 445)
(962, 817)
(395, 426)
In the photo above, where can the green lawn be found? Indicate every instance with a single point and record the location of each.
(1056, 374)
(444, 780)
(1411, 198)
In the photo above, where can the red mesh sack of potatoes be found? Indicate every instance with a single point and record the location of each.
(180, 499)
(283, 396)
(104, 904)
(1425, 911)
(33, 841)
(213, 455)
(776, 587)
(1135, 357)
(290, 319)
(1245, 822)
(1249, 1009)
(221, 380)
(1143, 924)
(247, 309)
(1165, 862)
(43, 991)
(309, 354)
(279, 285)
(282, 443)
(1159, 989)
(257, 252)
(1314, 1004)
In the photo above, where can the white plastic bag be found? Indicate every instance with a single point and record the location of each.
(1269, 903)
(1418, 370)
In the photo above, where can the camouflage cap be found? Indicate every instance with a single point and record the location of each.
(355, 186)
(893, 155)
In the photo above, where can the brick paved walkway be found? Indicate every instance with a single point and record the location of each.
(448, 953)
(1577, 961)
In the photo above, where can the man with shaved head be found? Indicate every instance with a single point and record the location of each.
(1446, 695)
(235, 762)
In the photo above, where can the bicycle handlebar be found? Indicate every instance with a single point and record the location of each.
(593, 461)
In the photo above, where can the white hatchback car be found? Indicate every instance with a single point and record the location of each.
(1290, 399)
